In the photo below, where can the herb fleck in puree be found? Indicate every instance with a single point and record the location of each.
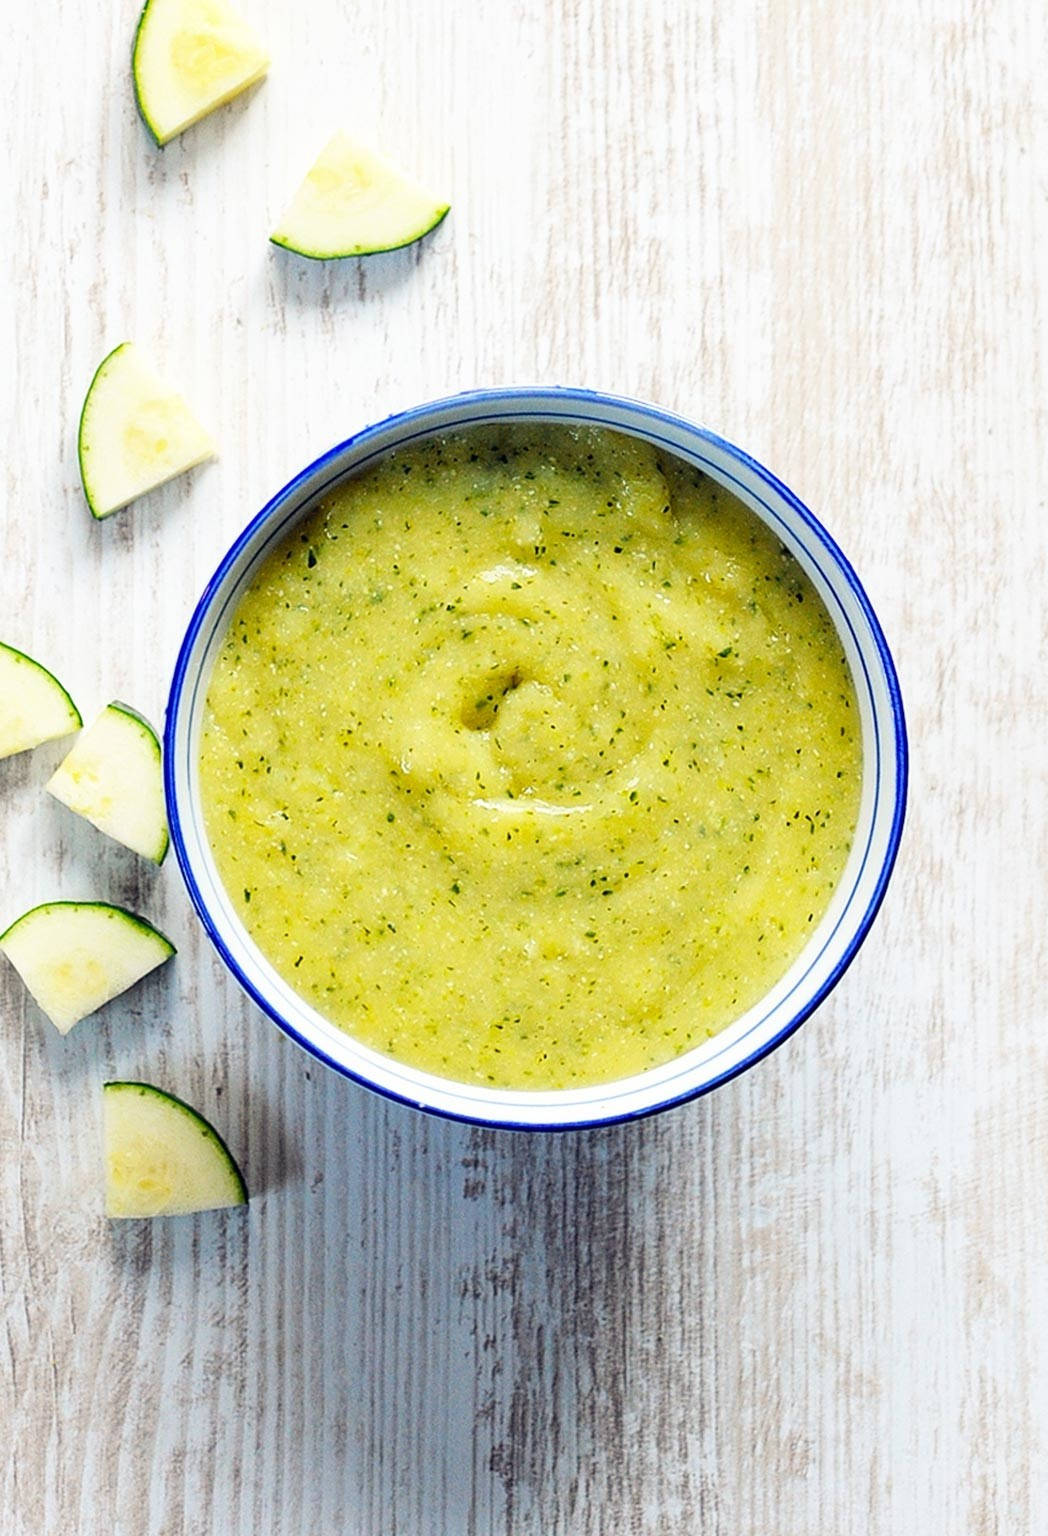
(531, 757)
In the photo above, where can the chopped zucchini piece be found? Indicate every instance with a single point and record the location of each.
(189, 57)
(162, 1157)
(34, 707)
(136, 432)
(113, 778)
(354, 203)
(76, 955)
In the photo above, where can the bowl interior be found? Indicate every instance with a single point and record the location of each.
(830, 947)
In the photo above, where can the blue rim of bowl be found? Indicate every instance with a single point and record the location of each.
(536, 396)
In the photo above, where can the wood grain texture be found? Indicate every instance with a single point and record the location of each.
(811, 1303)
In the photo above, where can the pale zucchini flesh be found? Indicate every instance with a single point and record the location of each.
(34, 707)
(162, 1158)
(189, 58)
(113, 778)
(74, 956)
(354, 203)
(136, 432)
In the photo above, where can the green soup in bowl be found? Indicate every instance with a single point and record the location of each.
(528, 755)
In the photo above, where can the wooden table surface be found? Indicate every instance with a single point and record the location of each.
(812, 1303)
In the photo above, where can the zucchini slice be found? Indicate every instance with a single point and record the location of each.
(354, 203)
(189, 57)
(162, 1157)
(76, 955)
(112, 777)
(136, 432)
(34, 707)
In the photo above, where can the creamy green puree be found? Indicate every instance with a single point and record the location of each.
(531, 757)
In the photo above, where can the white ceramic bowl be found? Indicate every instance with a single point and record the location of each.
(828, 951)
